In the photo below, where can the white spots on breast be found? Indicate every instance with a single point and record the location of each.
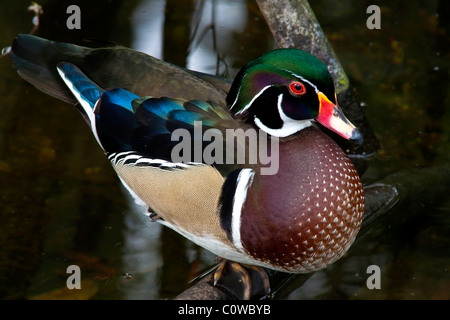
(331, 212)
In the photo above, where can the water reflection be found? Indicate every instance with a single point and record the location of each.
(141, 258)
(212, 31)
(147, 22)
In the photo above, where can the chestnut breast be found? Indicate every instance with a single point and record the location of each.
(306, 215)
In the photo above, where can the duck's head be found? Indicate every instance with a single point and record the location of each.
(283, 91)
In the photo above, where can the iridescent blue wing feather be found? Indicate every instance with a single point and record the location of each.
(158, 118)
(116, 120)
(122, 121)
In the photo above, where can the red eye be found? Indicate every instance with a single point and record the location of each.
(297, 88)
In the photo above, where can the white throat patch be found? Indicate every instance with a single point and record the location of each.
(290, 126)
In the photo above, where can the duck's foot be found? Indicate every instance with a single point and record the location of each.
(153, 215)
(241, 278)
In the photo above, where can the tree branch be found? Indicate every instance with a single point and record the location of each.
(294, 25)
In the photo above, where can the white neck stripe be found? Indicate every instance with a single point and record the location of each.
(244, 181)
(290, 126)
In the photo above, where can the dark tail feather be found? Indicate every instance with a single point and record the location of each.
(36, 59)
(110, 67)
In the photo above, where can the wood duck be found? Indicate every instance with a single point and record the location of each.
(299, 219)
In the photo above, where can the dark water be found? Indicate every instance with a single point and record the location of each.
(61, 203)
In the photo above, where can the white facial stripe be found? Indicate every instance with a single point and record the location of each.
(303, 79)
(244, 181)
(290, 126)
(235, 100)
(84, 104)
(254, 98)
(311, 84)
